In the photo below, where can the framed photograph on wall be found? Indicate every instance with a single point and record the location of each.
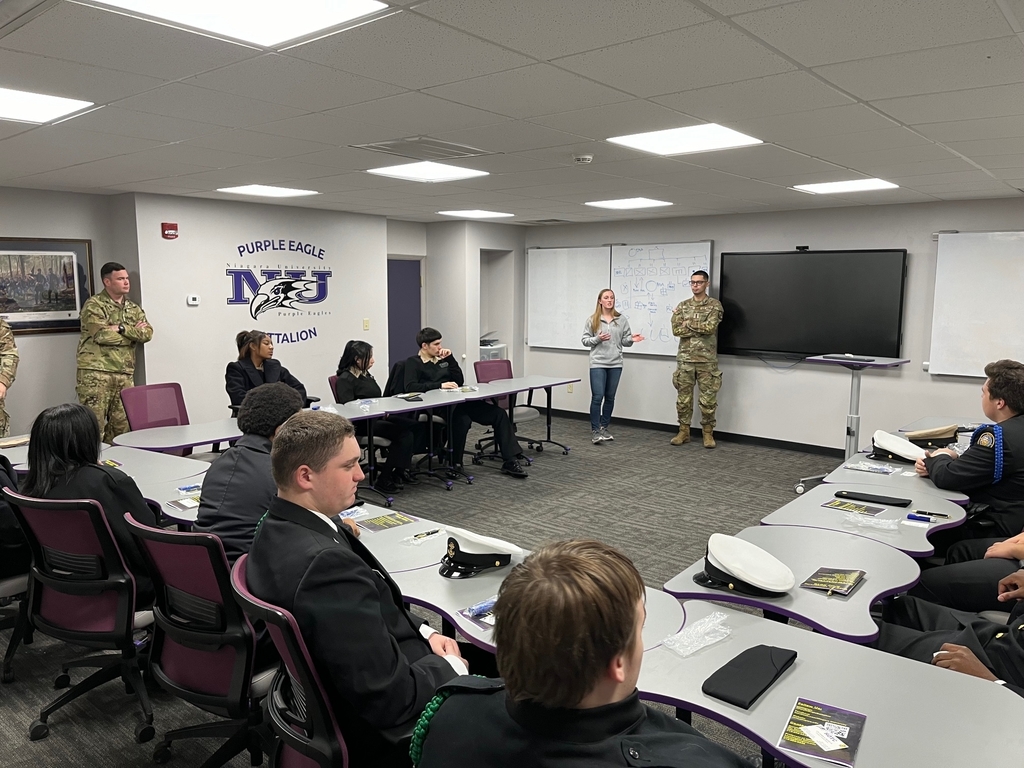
(44, 283)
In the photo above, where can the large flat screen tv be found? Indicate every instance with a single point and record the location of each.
(802, 303)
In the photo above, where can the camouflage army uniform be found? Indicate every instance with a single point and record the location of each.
(696, 325)
(8, 370)
(106, 359)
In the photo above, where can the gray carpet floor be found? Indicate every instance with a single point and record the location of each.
(656, 502)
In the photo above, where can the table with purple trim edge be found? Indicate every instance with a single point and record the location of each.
(804, 550)
(511, 387)
(180, 436)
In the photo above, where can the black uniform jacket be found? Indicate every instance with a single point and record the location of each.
(974, 474)
(237, 491)
(349, 387)
(423, 377)
(480, 726)
(376, 667)
(241, 376)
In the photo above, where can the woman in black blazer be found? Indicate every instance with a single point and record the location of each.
(355, 382)
(63, 463)
(256, 366)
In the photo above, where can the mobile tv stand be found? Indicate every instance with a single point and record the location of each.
(856, 364)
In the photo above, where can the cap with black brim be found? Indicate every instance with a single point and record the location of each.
(469, 553)
(732, 564)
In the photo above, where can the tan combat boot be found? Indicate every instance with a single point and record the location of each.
(709, 439)
(682, 437)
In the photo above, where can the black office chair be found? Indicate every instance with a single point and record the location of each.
(396, 386)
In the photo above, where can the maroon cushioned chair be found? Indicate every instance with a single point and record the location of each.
(80, 591)
(203, 644)
(300, 716)
(496, 370)
(156, 405)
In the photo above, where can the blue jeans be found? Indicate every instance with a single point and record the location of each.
(603, 383)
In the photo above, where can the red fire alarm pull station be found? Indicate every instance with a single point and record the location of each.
(169, 230)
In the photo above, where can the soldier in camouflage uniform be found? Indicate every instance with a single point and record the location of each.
(112, 326)
(695, 321)
(8, 370)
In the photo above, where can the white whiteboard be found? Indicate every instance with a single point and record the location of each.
(649, 282)
(979, 309)
(562, 289)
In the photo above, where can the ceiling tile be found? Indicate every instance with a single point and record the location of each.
(409, 51)
(88, 35)
(418, 114)
(862, 141)
(706, 54)
(112, 171)
(993, 185)
(202, 105)
(762, 97)
(200, 156)
(885, 170)
(984, 194)
(50, 147)
(10, 128)
(758, 162)
(143, 125)
(623, 118)
(54, 77)
(865, 158)
(510, 136)
(887, 197)
(817, 177)
(157, 187)
(984, 147)
(339, 159)
(255, 143)
(732, 7)
(525, 92)
(830, 121)
(639, 167)
(551, 28)
(329, 129)
(817, 32)
(294, 82)
(544, 177)
(602, 151)
(973, 130)
(1002, 162)
(501, 163)
(935, 179)
(997, 101)
(973, 65)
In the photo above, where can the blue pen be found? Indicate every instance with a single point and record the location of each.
(920, 518)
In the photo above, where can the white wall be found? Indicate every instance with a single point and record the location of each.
(407, 238)
(192, 345)
(46, 373)
(804, 404)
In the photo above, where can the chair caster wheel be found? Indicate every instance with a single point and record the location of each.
(799, 488)
(145, 732)
(63, 680)
(38, 730)
(539, 448)
(565, 452)
(469, 480)
(449, 485)
(162, 754)
(8, 676)
(477, 461)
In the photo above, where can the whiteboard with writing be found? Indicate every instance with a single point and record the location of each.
(562, 288)
(649, 282)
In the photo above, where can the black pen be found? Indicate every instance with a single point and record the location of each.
(933, 514)
(426, 533)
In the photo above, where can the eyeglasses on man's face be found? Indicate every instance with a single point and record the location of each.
(697, 282)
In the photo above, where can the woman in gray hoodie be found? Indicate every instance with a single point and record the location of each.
(605, 333)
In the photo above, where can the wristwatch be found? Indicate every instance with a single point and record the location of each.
(120, 329)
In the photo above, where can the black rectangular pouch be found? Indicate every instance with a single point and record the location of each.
(742, 680)
(889, 501)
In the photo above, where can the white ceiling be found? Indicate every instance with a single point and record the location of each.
(928, 94)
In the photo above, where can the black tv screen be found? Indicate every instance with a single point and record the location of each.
(804, 303)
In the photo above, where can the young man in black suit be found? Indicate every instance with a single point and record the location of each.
(435, 367)
(379, 664)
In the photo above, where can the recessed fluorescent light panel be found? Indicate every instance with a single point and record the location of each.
(427, 172)
(260, 190)
(477, 214)
(28, 107)
(629, 203)
(684, 141)
(262, 22)
(836, 187)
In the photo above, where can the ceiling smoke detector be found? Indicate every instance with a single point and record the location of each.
(582, 159)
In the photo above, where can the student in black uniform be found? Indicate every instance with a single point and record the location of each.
(355, 382)
(63, 463)
(436, 368)
(568, 631)
(991, 471)
(255, 366)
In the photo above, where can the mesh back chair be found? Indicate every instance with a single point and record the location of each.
(81, 592)
(396, 386)
(203, 645)
(300, 715)
(496, 370)
(13, 589)
(156, 405)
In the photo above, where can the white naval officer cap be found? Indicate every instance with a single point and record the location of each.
(737, 565)
(890, 445)
(470, 553)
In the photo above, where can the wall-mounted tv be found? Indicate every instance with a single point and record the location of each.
(802, 303)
